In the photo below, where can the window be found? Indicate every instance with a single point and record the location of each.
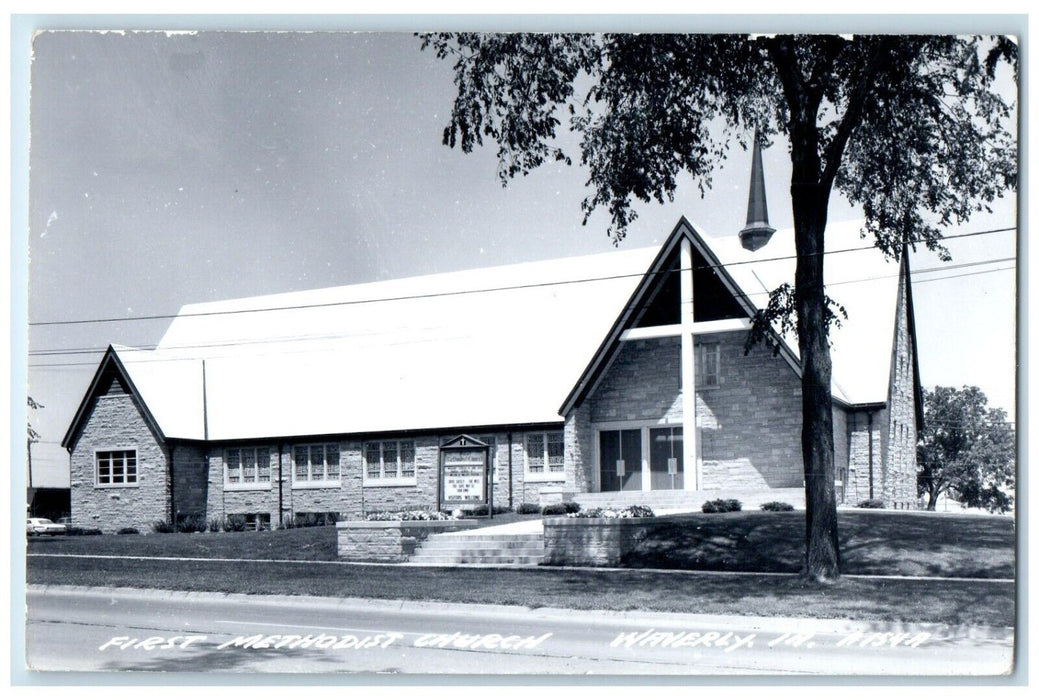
(390, 462)
(247, 467)
(545, 456)
(708, 364)
(116, 468)
(315, 464)
(236, 522)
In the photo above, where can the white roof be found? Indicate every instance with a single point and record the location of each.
(862, 280)
(493, 346)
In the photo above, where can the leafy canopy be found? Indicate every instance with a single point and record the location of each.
(909, 127)
(966, 448)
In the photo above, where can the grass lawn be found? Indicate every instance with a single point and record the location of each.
(872, 542)
(949, 602)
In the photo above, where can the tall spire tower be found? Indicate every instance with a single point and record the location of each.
(757, 232)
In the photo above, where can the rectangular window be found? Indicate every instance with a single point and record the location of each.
(544, 456)
(248, 467)
(708, 364)
(316, 464)
(116, 468)
(390, 462)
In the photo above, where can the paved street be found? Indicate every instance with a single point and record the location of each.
(93, 629)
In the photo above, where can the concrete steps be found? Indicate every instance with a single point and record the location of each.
(690, 500)
(452, 549)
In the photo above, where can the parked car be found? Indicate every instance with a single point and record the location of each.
(43, 526)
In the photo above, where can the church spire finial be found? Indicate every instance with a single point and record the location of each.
(757, 232)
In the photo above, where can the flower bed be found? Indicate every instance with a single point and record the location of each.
(390, 540)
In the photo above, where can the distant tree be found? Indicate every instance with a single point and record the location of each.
(965, 448)
(908, 127)
(32, 437)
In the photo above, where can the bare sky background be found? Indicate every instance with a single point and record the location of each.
(170, 169)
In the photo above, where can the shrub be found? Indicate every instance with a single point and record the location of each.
(626, 512)
(128, 531)
(409, 515)
(234, 523)
(722, 505)
(193, 522)
(81, 531)
(776, 506)
(315, 519)
(528, 508)
(554, 509)
(163, 526)
(214, 525)
(870, 503)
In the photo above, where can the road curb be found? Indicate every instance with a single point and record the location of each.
(776, 625)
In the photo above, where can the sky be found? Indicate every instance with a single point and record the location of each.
(173, 169)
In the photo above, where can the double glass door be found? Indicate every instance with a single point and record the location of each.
(622, 455)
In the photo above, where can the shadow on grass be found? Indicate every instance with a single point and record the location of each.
(871, 543)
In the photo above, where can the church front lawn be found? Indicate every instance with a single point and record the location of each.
(872, 542)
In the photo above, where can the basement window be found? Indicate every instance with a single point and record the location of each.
(115, 468)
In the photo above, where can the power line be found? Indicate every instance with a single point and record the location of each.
(284, 339)
(228, 312)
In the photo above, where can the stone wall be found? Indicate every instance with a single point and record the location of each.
(749, 425)
(899, 478)
(389, 540)
(592, 541)
(860, 424)
(115, 422)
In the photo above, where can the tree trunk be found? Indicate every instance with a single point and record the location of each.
(822, 558)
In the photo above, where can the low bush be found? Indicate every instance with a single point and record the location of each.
(214, 525)
(128, 531)
(554, 509)
(722, 505)
(776, 506)
(163, 526)
(870, 503)
(192, 523)
(234, 523)
(626, 512)
(528, 508)
(409, 515)
(81, 531)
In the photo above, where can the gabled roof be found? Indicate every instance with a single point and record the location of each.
(492, 346)
(485, 347)
(112, 367)
(857, 276)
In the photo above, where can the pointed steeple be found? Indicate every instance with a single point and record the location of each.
(757, 232)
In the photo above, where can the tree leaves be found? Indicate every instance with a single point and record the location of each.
(966, 448)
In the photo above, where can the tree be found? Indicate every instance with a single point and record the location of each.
(908, 127)
(31, 437)
(965, 448)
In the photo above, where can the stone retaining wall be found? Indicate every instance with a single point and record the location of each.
(593, 541)
(389, 540)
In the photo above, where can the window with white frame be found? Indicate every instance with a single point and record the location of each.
(544, 455)
(116, 468)
(247, 467)
(389, 461)
(708, 364)
(315, 464)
